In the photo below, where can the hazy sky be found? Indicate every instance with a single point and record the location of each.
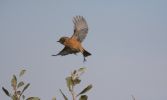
(127, 39)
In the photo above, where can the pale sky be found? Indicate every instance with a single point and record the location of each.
(127, 39)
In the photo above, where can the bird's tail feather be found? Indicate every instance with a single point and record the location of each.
(86, 53)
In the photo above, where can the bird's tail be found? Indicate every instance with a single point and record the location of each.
(86, 53)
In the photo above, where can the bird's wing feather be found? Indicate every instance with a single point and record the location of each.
(65, 51)
(80, 28)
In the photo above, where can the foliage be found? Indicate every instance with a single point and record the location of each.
(19, 88)
(72, 81)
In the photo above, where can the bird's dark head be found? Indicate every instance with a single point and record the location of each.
(62, 40)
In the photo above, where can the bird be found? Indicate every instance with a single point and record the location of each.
(73, 44)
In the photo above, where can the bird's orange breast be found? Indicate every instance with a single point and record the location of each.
(73, 44)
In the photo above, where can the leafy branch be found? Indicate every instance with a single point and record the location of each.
(72, 81)
(19, 88)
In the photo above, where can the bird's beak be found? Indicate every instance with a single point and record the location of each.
(58, 41)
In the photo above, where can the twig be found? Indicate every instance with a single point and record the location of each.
(73, 93)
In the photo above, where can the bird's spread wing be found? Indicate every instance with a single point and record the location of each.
(64, 52)
(80, 28)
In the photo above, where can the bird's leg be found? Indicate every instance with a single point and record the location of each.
(84, 59)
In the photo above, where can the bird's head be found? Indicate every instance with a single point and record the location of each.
(62, 40)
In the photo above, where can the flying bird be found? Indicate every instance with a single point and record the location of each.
(73, 44)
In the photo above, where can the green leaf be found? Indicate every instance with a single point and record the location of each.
(20, 84)
(76, 81)
(69, 82)
(83, 97)
(64, 96)
(14, 82)
(23, 96)
(22, 72)
(25, 88)
(6, 91)
(81, 69)
(85, 90)
(33, 98)
(14, 97)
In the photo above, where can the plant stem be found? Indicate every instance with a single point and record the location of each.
(15, 94)
(74, 97)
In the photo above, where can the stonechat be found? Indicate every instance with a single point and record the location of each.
(72, 45)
